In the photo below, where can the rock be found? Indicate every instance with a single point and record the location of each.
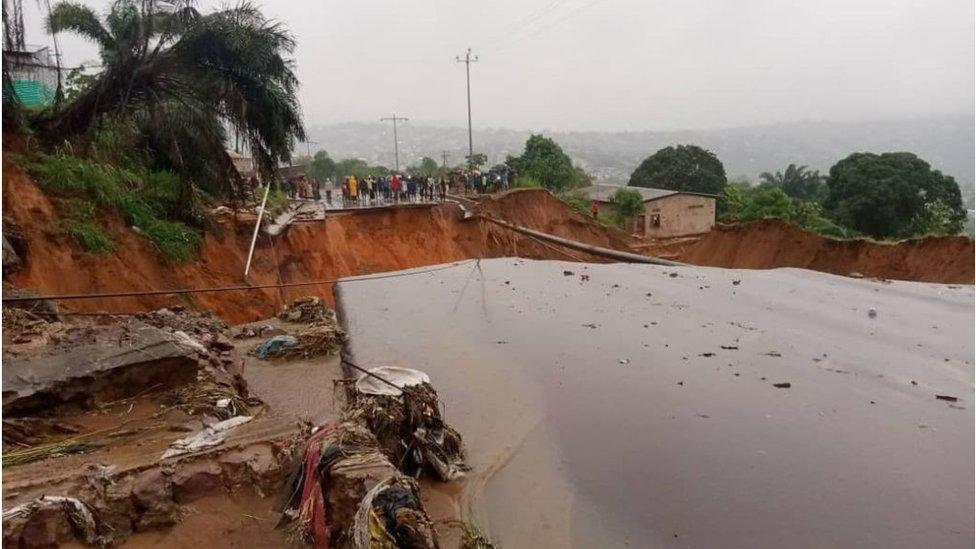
(856, 274)
(196, 480)
(11, 260)
(46, 527)
(152, 496)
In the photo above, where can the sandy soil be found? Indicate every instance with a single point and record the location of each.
(638, 408)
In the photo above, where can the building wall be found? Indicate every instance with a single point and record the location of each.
(680, 214)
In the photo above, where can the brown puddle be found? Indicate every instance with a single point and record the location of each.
(638, 407)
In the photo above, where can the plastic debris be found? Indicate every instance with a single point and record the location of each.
(207, 438)
(399, 377)
(276, 344)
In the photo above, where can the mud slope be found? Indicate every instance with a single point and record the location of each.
(387, 240)
(344, 245)
(772, 243)
(541, 210)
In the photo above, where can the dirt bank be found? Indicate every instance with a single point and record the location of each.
(366, 242)
(348, 244)
(774, 243)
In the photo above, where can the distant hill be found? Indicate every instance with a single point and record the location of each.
(946, 142)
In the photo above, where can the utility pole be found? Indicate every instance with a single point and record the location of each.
(443, 159)
(396, 141)
(308, 148)
(467, 60)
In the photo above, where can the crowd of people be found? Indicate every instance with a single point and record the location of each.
(352, 191)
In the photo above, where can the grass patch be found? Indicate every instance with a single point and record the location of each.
(174, 239)
(527, 182)
(144, 201)
(81, 224)
(90, 235)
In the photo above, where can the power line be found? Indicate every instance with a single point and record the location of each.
(182, 291)
(467, 69)
(543, 28)
(396, 141)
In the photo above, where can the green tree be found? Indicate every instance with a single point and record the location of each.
(797, 182)
(322, 166)
(428, 167)
(765, 202)
(545, 161)
(185, 77)
(681, 168)
(936, 218)
(627, 203)
(884, 195)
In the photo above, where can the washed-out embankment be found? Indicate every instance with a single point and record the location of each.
(367, 242)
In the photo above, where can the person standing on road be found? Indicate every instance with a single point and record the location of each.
(353, 190)
(329, 187)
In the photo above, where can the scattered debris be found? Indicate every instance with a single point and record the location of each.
(947, 398)
(736, 282)
(194, 323)
(730, 347)
(625, 361)
(673, 275)
(307, 310)
(773, 354)
(207, 438)
(568, 273)
(79, 516)
(872, 313)
(707, 354)
(591, 326)
(407, 425)
(783, 385)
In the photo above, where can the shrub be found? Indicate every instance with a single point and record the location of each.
(577, 201)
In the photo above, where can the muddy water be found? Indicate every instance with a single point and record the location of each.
(638, 408)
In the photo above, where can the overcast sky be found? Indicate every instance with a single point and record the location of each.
(621, 64)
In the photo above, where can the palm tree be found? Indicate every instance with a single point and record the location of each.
(797, 182)
(185, 78)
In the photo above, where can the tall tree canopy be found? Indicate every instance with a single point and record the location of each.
(797, 182)
(545, 161)
(681, 168)
(322, 166)
(428, 166)
(889, 195)
(184, 77)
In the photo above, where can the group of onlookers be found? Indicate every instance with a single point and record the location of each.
(395, 188)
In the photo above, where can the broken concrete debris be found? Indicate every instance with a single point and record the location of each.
(110, 362)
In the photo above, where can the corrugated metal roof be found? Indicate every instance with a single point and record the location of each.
(604, 193)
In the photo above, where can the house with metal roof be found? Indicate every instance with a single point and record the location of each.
(667, 213)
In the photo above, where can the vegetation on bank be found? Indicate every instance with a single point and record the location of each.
(84, 187)
(146, 135)
(882, 196)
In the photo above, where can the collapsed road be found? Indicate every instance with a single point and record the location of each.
(638, 405)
